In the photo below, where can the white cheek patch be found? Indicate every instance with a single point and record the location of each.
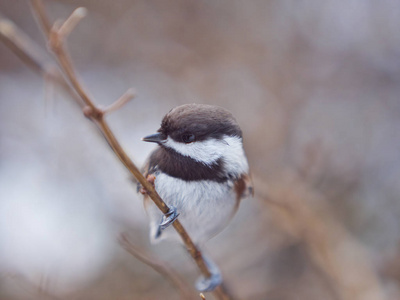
(230, 149)
(206, 152)
(234, 156)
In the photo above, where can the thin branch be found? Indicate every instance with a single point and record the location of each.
(40, 290)
(56, 46)
(305, 214)
(16, 40)
(30, 53)
(157, 265)
(125, 98)
(97, 116)
(43, 20)
(73, 20)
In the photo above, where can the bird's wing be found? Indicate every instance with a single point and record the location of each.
(244, 186)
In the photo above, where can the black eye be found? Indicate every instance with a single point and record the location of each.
(187, 138)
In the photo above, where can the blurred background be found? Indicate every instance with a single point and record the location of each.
(315, 86)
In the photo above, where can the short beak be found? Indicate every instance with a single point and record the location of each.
(154, 138)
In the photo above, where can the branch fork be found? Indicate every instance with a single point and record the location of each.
(61, 30)
(97, 113)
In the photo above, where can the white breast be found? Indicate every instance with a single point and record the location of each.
(205, 207)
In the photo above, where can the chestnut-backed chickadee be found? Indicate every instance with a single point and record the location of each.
(201, 172)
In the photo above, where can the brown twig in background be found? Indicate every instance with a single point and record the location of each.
(40, 290)
(305, 215)
(17, 40)
(29, 53)
(55, 36)
(157, 265)
(127, 96)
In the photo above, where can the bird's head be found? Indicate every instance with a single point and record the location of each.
(205, 133)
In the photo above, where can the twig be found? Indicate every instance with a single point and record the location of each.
(16, 40)
(157, 265)
(39, 291)
(306, 215)
(125, 98)
(56, 43)
(69, 25)
(29, 53)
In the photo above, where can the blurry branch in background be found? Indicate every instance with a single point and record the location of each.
(157, 265)
(39, 291)
(305, 215)
(21, 45)
(25, 49)
(389, 266)
(29, 53)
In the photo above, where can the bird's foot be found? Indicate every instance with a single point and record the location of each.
(168, 218)
(210, 283)
(151, 179)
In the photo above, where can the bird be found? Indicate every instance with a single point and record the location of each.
(200, 170)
